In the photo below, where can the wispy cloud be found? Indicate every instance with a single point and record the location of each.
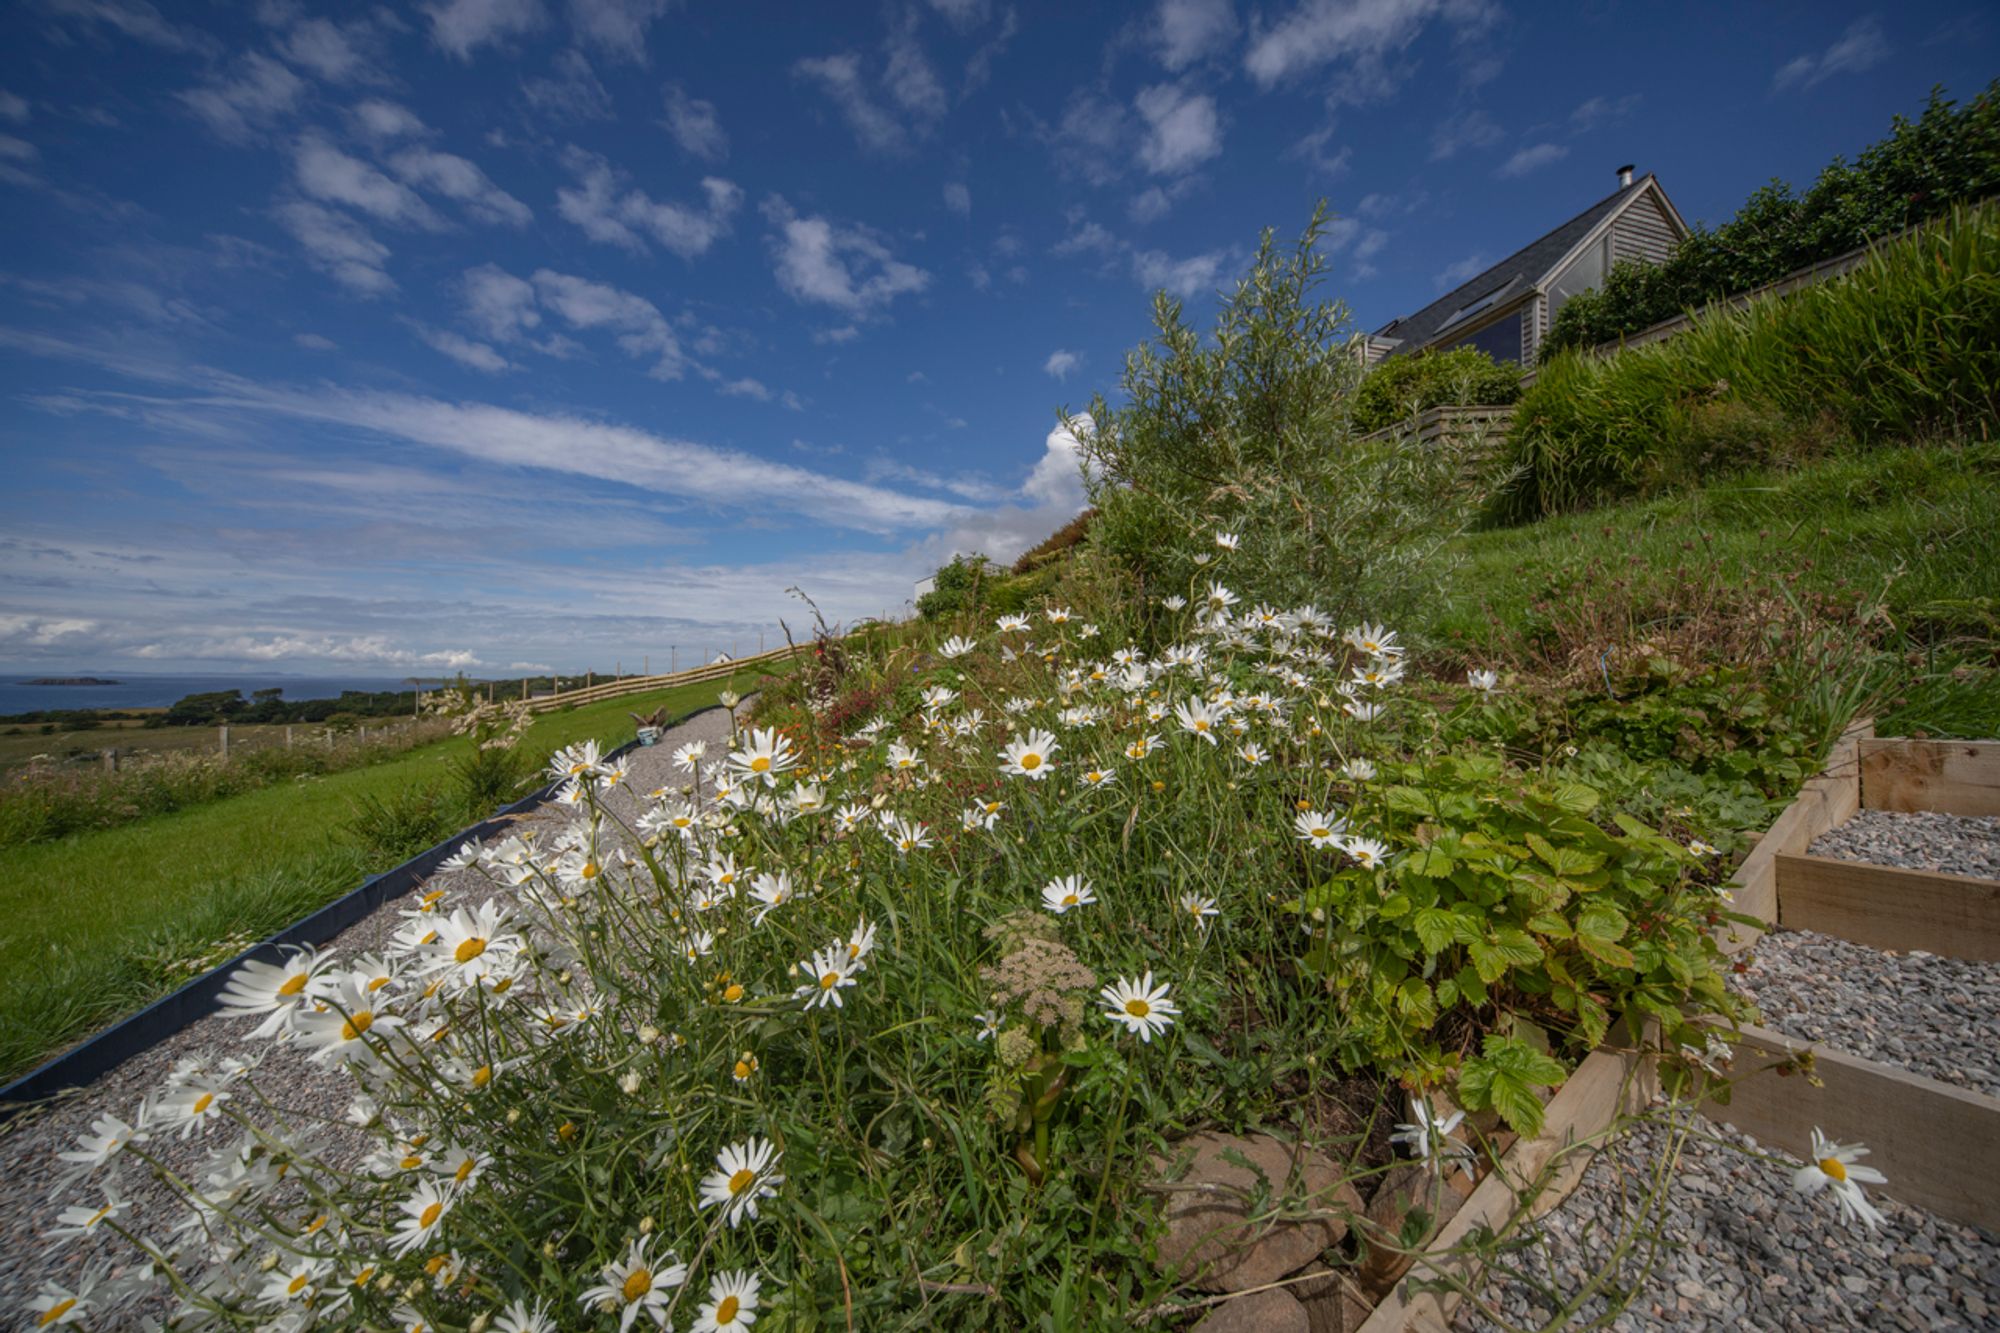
(1532, 158)
(616, 27)
(1183, 128)
(1185, 31)
(695, 126)
(247, 99)
(1455, 134)
(826, 263)
(612, 211)
(460, 27)
(339, 246)
(1861, 47)
(1360, 38)
(1061, 364)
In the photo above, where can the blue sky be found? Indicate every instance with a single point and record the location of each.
(512, 334)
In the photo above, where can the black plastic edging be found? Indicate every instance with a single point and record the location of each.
(85, 1063)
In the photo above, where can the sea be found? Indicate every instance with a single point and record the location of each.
(135, 690)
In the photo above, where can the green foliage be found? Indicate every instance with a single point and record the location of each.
(1249, 431)
(1899, 349)
(1403, 386)
(1949, 155)
(956, 588)
(389, 828)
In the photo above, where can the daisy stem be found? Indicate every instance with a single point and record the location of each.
(1110, 1154)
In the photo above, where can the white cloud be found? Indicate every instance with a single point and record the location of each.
(746, 388)
(459, 180)
(570, 91)
(1183, 129)
(338, 245)
(334, 53)
(1860, 48)
(37, 631)
(1473, 129)
(1092, 140)
(1532, 158)
(136, 19)
(962, 13)
(1451, 275)
(642, 331)
(13, 107)
(958, 198)
(368, 649)
(472, 355)
(538, 668)
(498, 303)
(1085, 237)
(460, 27)
(839, 77)
(240, 105)
(314, 342)
(616, 27)
(325, 172)
(1312, 150)
(1196, 274)
(845, 333)
(383, 120)
(611, 213)
(1361, 35)
(695, 126)
(1150, 205)
(1596, 111)
(1057, 478)
(909, 77)
(1187, 30)
(844, 267)
(1061, 363)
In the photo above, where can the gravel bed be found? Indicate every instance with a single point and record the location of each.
(31, 1192)
(1933, 1016)
(1954, 844)
(1742, 1251)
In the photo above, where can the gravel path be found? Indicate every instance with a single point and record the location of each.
(1743, 1252)
(30, 1192)
(1955, 844)
(1934, 1016)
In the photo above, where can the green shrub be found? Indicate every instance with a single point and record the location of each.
(1249, 432)
(1899, 349)
(955, 588)
(1403, 386)
(1948, 156)
(392, 828)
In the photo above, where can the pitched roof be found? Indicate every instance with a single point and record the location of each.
(1510, 277)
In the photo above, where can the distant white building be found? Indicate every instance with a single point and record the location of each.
(924, 588)
(720, 658)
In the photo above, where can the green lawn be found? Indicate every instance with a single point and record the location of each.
(99, 924)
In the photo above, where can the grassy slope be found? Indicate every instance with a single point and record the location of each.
(1919, 527)
(99, 923)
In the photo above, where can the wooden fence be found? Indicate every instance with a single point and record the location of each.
(613, 689)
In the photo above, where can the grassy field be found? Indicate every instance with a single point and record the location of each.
(1905, 538)
(101, 923)
(20, 743)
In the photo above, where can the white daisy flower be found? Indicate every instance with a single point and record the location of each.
(1484, 681)
(1141, 1006)
(955, 647)
(744, 1173)
(1833, 1167)
(1428, 1139)
(1320, 829)
(1030, 756)
(832, 971)
(637, 1284)
(1060, 895)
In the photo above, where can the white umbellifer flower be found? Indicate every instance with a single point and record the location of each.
(1228, 541)
(744, 1173)
(1198, 907)
(275, 990)
(1198, 718)
(687, 758)
(1012, 624)
(1141, 1006)
(955, 646)
(989, 1025)
(423, 1213)
(1833, 1166)
(1485, 681)
(732, 1302)
(1029, 756)
(1367, 851)
(518, 1318)
(832, 971)
(767, 755)
(1428, 1139)
(1320, 829)
(1060, 895)
(637, 1283)
(1374, 640)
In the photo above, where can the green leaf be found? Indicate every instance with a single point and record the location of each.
(1409, 801)
(1395, 905)
(1517, 946)
(1604, 951)
(1603, 921)
(1574, 797)
(1504, 1077)
(1565, 861)
(1435, 927)
(1549, 923)
(1431, 862)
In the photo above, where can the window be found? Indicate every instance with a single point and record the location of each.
(1500, 340)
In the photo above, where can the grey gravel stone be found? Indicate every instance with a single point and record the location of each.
(30, 1196)
(1925, 840)
(1750, 1255)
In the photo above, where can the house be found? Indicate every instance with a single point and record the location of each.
(1506, 310)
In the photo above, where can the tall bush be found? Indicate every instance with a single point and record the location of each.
(1900, 348)
(1250, 432)
(1949, 155)
(1403, 386)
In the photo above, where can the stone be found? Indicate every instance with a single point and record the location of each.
(1333, 1305)
(1211, 1240)
(1266, 1312)
(1402, 1187)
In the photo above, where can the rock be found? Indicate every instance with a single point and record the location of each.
(1402, 1187)
(1211, 1241)
(1266, 1312)
(1332, 1305)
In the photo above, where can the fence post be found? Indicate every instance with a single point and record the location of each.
(225, 740)
(111, 761)
(288, 737)
(674, 661)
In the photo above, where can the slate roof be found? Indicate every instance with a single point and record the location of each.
(1510, 277)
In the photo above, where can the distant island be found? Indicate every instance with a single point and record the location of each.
(70, 680)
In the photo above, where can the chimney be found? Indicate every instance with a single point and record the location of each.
(1625, 175)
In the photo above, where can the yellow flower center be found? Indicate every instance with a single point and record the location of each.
(1834, 1167)
(741, 1180)
(430, 899)
(1031, 760)
(55, 1312)
(377, 984)
(829, 980)
(590, 870)
(482, 1076)
(294, 985)
(761, 764)
(317, 1223)
(412, 1162)
(464, 1172)
(431, 1215)
(1069, 900)
(1138, 1008)
(1319, 832)
(357, 1025)
(743, 1071)
(203, 1102)
(725, 1313)
(296, 1285)
(365, 1276)
(733, 994)
(638, 1284)
(469, 950)
(502, 986)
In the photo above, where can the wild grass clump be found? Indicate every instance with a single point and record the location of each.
(1899, 350)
